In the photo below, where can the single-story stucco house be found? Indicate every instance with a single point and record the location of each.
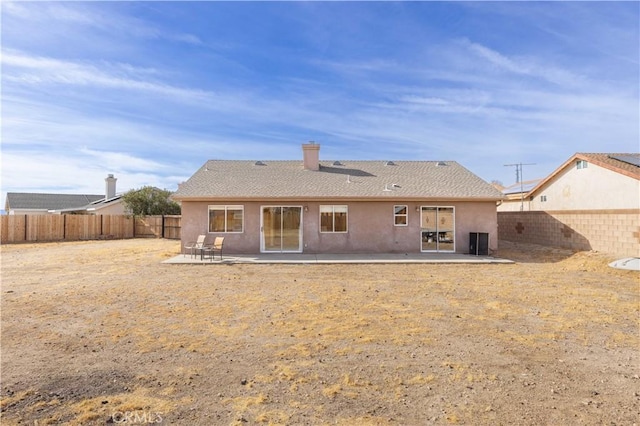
(32, 203)
(311, 206)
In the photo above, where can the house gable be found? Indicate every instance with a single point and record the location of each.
(589, 182)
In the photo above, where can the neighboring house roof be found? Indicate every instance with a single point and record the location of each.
(521, 187)
(235, 179)
(96, 205)
(627, 164)
(38, 201)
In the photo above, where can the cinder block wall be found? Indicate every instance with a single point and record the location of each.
(615, 232)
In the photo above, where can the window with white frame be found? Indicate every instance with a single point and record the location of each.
(581, 164)
(400, 215)
(543, 198)
(333, 218)
(226, 218)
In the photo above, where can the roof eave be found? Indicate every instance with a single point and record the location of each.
(398, 198)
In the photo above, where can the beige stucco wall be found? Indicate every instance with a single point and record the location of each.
(370, 226)
(515, 205)
(25, 211)
(591, 188)
(113, 208)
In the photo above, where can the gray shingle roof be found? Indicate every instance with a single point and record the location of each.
(37, 201)
(235, 179)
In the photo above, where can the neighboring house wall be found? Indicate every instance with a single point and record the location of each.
(370, 226)
(116, 208)
(515, 205)
(616, 232)
(27, 211)
(517, 196)
(590, 188)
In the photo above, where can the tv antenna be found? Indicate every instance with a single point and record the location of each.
(518, 167)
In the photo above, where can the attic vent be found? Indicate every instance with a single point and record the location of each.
(337, 163)
(259, 163)
(441, 163)
(389, 163)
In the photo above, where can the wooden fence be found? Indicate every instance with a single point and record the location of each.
(158, 227)
(34, 228)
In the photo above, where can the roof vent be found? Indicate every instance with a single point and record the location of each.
(391, 187)
(259, 163)
(441, 163)
(389, 163)
(337, 163)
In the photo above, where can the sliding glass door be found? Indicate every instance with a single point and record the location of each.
(281, 230)
(437, 229)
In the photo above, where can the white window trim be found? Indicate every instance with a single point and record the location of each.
(226, 225)
(333, 216)
(406, 215)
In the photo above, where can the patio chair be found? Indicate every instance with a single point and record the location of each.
(194, 246)
(218, 243)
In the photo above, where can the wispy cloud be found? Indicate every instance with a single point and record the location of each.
(525, 66)
(32, 70)
(106, 20)
(142, 91)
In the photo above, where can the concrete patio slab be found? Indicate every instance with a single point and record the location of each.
(304, 258)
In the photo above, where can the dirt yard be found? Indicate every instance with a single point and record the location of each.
(103, 333)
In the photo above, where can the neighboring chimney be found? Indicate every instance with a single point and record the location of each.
(110, 186)
(311, 159)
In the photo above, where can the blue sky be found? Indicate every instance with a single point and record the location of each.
(149, 91)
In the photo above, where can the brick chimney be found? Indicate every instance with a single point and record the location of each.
(311, 156)
(110, 190)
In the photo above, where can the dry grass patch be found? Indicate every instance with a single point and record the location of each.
(321, 344)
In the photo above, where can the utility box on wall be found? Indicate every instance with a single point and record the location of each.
(479, 243)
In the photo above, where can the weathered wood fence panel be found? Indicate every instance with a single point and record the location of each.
(114, 225)
(33, 228)
(158, 227)
(172, 227)
(82, 227)
(148, 227)
(52, 227)
(13, 229)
